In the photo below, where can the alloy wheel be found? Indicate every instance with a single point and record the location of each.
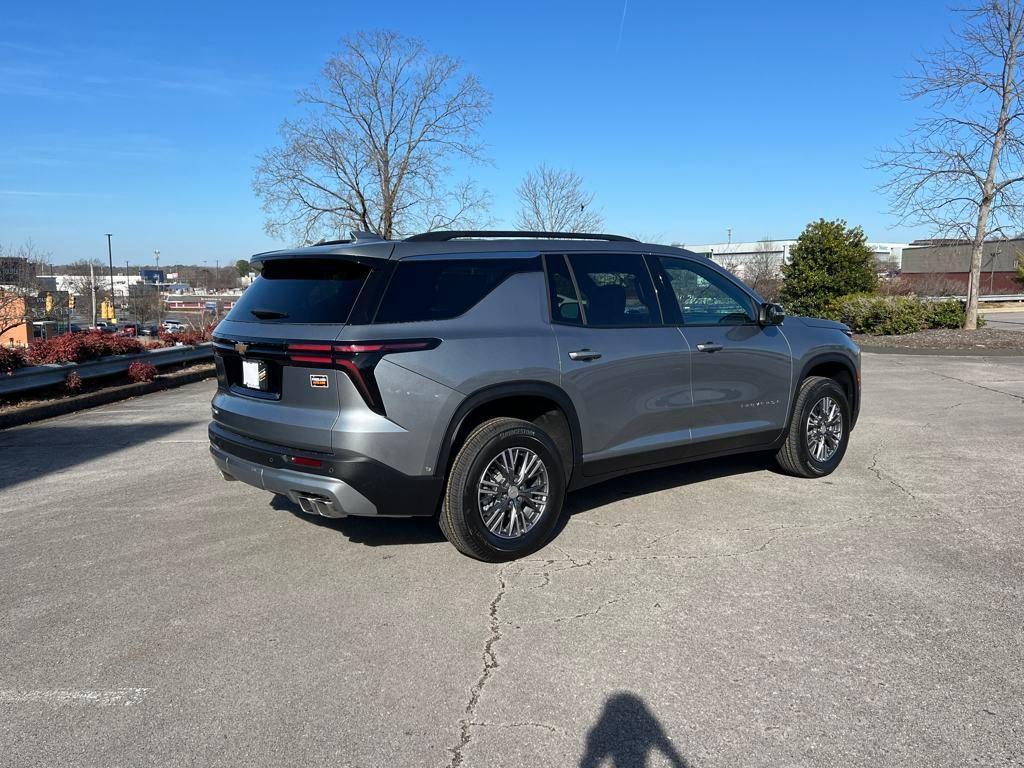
(512, 493)
(824, 429)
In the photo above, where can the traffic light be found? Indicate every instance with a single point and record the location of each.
(71, 301)
(49, 303)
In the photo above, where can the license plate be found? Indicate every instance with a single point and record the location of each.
(254, 374)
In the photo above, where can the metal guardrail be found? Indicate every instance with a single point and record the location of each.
(997, 297)
(38, 376)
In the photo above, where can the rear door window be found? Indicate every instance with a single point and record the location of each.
(616, 289)
(302, 291)
(439, 289)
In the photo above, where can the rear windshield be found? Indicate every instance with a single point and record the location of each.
(301, 291)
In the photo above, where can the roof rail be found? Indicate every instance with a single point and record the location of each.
(444, 236)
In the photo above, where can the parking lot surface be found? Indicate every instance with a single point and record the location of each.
(1010, 321)
(717, 614)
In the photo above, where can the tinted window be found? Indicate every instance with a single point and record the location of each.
(440, 289)
(301, 291)
(565, 303)
(706, 297)
(616, 289)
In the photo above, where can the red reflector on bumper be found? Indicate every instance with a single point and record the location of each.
(302, 461)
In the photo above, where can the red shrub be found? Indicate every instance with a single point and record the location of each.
(140, 371)
(79, 347)
(73, 382)
(11, 359)
(191, 337)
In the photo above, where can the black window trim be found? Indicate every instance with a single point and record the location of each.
(572, 278)
(754, 302)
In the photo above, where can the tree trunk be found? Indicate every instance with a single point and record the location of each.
(977, 248)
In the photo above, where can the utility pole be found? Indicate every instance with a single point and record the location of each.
(92, 290)
(110, 257)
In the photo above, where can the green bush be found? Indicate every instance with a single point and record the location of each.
(895, 315)
(949, 313)
(879, 315)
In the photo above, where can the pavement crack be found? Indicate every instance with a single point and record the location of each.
(594, 612)
(977, 386)
(877, 472)
(490, 664)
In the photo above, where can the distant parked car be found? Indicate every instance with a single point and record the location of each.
(150, 329)
(174, 325)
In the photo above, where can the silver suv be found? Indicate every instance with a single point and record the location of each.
(478, 376)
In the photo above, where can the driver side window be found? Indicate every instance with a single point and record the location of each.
(705, 297)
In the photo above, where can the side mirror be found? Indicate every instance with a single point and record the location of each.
(771, 314)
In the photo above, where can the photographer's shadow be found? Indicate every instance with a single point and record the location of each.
(626, 733)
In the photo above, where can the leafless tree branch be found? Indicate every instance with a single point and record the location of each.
(373, 150)
(553, 200)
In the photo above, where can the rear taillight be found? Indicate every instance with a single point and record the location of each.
(357, 359)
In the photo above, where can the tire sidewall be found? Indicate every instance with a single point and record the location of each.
(814, 393)
(532, 438)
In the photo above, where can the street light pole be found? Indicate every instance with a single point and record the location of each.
(110, 257)
(159, 298)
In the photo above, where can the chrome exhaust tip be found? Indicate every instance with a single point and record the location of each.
(312, 504)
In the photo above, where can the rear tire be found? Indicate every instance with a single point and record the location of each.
(819, 430)
(505, 491)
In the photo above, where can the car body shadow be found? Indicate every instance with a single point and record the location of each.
(625, 734)
(378, 531)
(371, 531)
(655, 480)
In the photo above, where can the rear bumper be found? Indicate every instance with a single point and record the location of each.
(345, 485)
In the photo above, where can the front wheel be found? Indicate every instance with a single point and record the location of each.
(819, 430)
(505, 491)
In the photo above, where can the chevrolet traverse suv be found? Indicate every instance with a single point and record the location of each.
(479, 376)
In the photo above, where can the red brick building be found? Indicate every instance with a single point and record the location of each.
(937, 267)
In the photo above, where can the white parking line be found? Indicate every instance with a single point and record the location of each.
(114, 697)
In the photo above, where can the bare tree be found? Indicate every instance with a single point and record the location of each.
(553, 200)
(959, 170)
(20, 302)
(373, 150)
(762, 270)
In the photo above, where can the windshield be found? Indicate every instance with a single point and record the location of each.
(301, 291)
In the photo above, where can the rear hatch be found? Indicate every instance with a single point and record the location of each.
(274, 350)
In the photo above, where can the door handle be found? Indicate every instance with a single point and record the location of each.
(584, 354)
(709, 346)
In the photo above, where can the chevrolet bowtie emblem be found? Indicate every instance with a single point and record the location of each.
(241, 347)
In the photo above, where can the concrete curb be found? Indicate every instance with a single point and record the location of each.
(964, 352)
(65, 405)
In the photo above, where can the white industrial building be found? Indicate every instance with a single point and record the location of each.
(734, 255)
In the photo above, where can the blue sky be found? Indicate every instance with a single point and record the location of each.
(145, 119)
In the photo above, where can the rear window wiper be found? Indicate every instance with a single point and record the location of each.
(268, 314)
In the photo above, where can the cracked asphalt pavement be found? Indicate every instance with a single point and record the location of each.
(717, 614)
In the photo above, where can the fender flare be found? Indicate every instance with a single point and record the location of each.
(494, 392)
(829, 357)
